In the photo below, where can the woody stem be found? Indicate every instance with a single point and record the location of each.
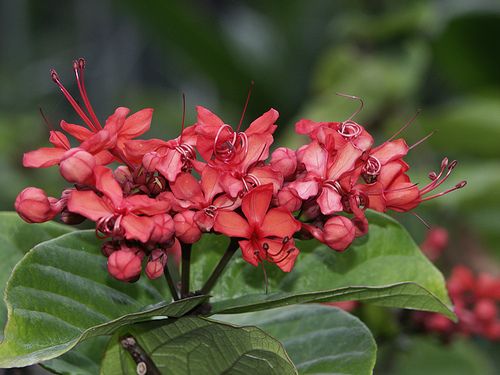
(170, 282)
(186, 264)
(217, 272)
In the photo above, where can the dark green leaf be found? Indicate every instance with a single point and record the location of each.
(17, 237)
(192, 345)
(60, 294)
(319, 339)
(385, 267)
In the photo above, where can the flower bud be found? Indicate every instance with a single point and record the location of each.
(284, 160)
(288, 198)
(77, 166)
(33, 205)
(125, 264)
(339, 232)
(439, 323)
(186, 229)
(156, 264)
(488, 286)
(163, 229)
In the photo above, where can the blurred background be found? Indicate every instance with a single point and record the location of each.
(442, 57)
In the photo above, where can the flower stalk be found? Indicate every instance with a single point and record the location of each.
(186, 266)
(217, 272)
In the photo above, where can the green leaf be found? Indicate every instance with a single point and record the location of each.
(192, 345)
(318, 339)
(430, 357)
(385, 267)
(469, 126)
(60, 294)
(17, 237)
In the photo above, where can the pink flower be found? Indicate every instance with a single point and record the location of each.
(115, 214)
(266, 233)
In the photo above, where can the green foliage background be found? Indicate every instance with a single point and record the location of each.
(440, 56)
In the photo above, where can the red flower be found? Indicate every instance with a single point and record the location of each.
(267, 233)
(115, 214)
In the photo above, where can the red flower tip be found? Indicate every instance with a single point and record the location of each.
(77, 166)
(125, 264)
(33, 205)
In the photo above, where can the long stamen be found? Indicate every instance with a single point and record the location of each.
(421, 219)
(460, 185)
(246, 105)
(361, 104)
(435, 177)
(183, 112)
(438, 181)
(79, 68)
(422, 140)
(408, 123)
(72, 101)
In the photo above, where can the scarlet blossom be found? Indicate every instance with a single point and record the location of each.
(115, 214)
(266, 233)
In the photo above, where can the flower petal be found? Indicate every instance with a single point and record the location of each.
(315, 159)
(43, 157)
(279, 222)
(136, 124)
(88, 204)
(344, 161)
(106, 184)
(329, 201)
(81, 133)
(137, 227)
(249, 253)
(256, 203)
(264, 124)
(231, 224)
(187, 187)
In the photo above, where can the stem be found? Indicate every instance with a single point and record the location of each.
(217, 272)
(186, 265)
(170, 282)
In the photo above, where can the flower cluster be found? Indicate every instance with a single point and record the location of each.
(165, 194)
(476, 300)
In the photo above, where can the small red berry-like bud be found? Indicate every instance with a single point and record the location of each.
(186, 229)
(487, 286)
(163, 230)
(284, 160)
(288, 198)
(460, 281)
(77, 166)
(156, 264)
(438, 323)
(485, 310)
(435, 242)
(33, 205)
(339, 232)
(125, 264)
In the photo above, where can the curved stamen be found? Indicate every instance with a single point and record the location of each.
(361, 103)
(422, 140)
(349, 129)
(246, 105)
